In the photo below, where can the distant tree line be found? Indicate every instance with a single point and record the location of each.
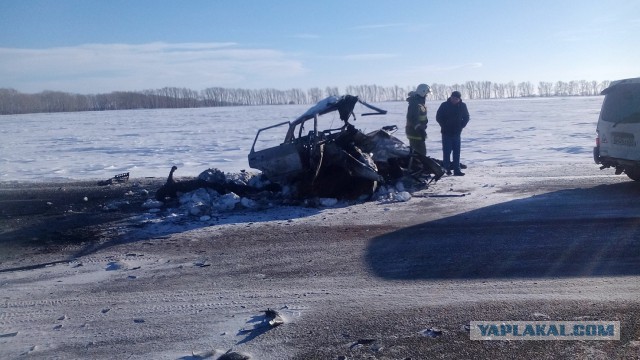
(14, 102)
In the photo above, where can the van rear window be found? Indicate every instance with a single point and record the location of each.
(622, 104)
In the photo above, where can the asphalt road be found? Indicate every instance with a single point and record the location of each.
(367, 281)
(585, 230)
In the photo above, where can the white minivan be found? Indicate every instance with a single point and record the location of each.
(618, 131)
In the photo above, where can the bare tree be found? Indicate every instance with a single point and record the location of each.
(499, 90)
(525, 89)
(545, 88)
(314, 95)
(511, 89)
(561, 89)
(331, 91)
(470, 89)
(14, 102)
(594, 88)
(485, 89)
(439, 91)
(572, 88)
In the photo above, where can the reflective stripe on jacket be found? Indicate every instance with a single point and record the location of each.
(416, 115)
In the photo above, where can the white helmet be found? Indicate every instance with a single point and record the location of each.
(423, 90)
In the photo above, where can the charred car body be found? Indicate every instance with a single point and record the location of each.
(339, 162)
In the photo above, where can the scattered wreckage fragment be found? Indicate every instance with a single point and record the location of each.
(120, 178)
(271, 319)
(209, 179)
(340, 162)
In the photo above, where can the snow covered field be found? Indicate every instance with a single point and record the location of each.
(535, 231)
(146, 143)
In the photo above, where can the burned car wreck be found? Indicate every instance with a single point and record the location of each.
(341, 162)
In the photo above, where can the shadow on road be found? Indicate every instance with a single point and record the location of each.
(568, 233)
(77, 219)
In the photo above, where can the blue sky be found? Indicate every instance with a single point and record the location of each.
(91, 46)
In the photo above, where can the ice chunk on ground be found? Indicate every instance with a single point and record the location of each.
(227, 201)
(150, 204)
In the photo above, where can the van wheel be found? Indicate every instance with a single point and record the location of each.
(633, 173)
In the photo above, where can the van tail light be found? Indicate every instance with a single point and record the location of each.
(597, 138)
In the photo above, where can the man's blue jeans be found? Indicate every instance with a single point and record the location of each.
(451, 144)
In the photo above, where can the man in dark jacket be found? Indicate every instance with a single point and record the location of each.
(416, 128)
(452, 116)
